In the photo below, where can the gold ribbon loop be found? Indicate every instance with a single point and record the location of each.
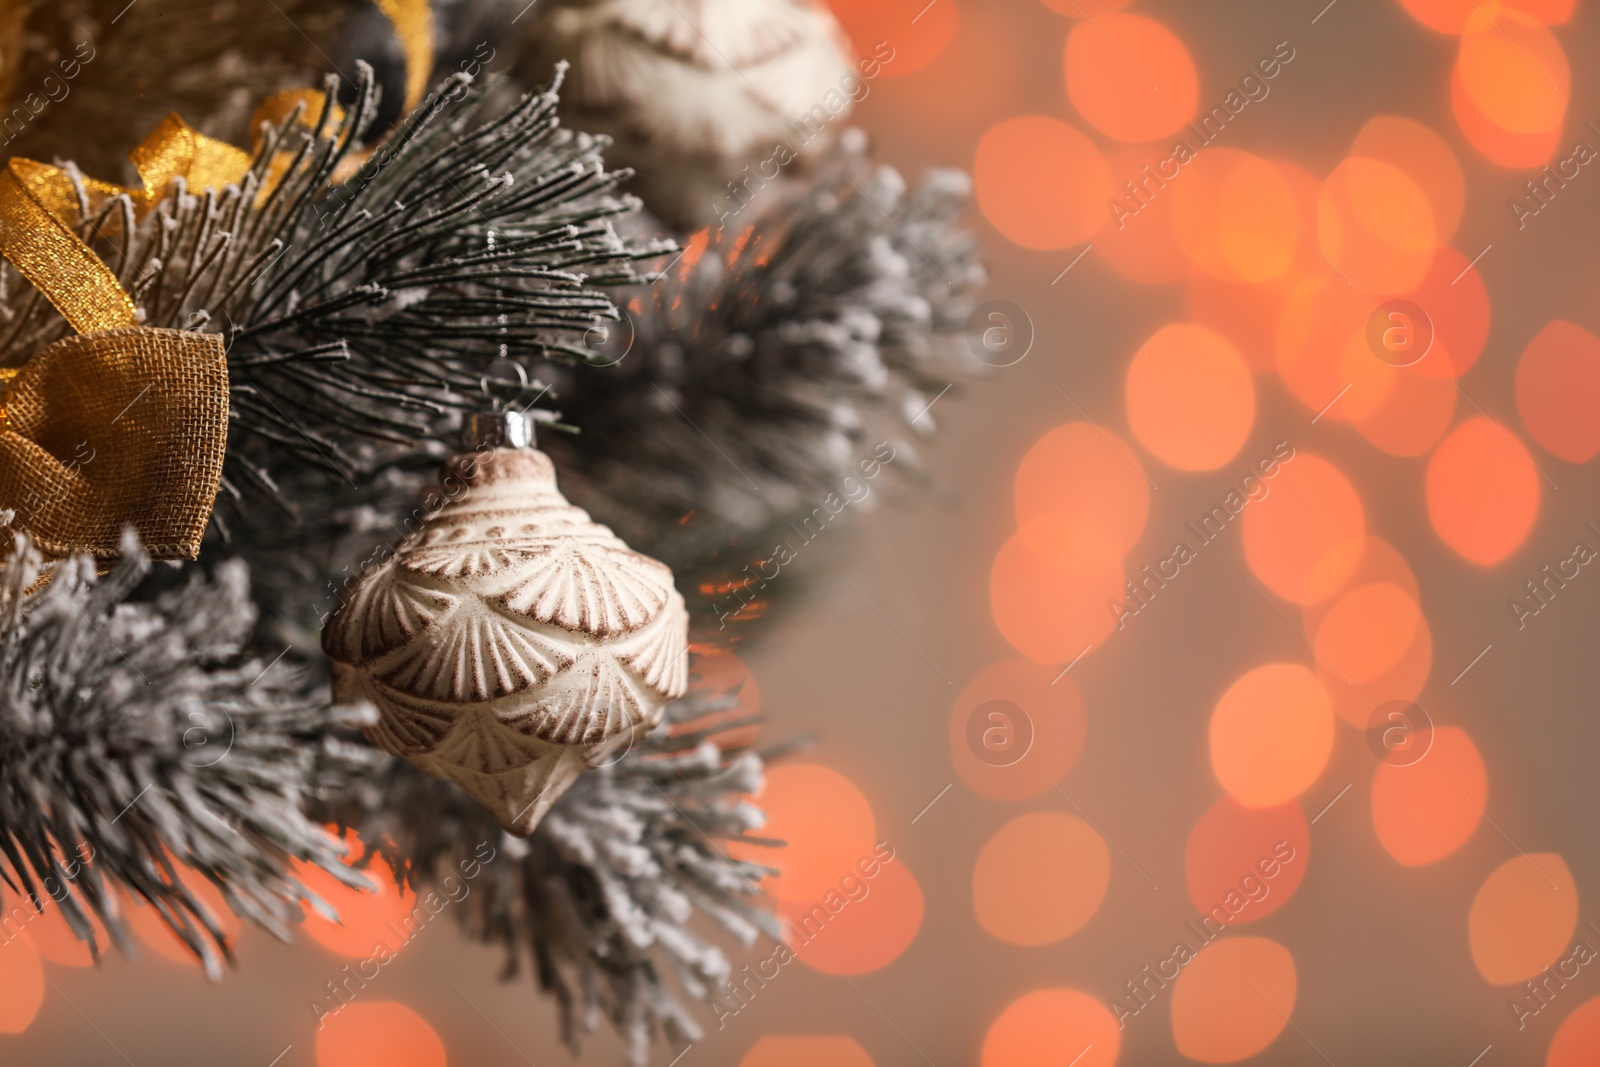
(175, 150)
(172, 150)
(52, 257)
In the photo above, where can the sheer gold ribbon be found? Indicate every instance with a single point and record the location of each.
(173, 150)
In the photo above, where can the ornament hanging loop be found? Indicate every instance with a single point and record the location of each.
(488, 380)
(499, 427)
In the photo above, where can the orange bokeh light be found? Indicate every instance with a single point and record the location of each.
(1522, 918)
(1516, 151)
(1143, 246)
(1451, 16)
(1514, 72)
(1355, 702)
(1048, 1027)
(1051, 615)
(1372, 385)
(917, 33)
(806, 1052)
(1040, 878)
(1271, 734)
(1483, 491)
(1089, 474)
(1375, 224)
(1380, 562)
(1510, 88)
(1072, 543)
(21, 985)
(1457, 304)
(826, 824)
(1425, 157)
(1016, 729)
(1307, 190)
(380, 1031)
(1367, 630)
(1425, 811)
(1558, 391)
(867, 933)
(1307, 538)
(1233, 999)
(1040, 182)
(1191, 398)
(1231, 852)
(1577, 1042)
(1549, 12)
(1321, 349)
(1415, 413)
(1258, 223)
(1130, 77)
(1238, 217)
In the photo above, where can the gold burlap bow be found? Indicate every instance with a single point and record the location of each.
(125, 424)
(121, 425)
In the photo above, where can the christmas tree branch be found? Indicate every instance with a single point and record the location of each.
(599, 903)
(137, 737)
(459, 239)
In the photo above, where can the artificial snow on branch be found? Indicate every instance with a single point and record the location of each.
(600, 903)
(747, 383)
(364, 312)
(138, 736)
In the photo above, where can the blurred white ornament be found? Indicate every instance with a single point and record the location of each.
(510, 642)
(700, 93)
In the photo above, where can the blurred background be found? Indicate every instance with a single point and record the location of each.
(1349, 698)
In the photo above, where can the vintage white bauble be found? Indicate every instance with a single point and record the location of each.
(510, 642)
(694, 91)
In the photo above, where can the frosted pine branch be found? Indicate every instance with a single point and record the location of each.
(817, 323)
(360, 315)
(600, 903)
(140, 735)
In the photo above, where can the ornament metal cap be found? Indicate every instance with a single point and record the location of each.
(497, 429)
